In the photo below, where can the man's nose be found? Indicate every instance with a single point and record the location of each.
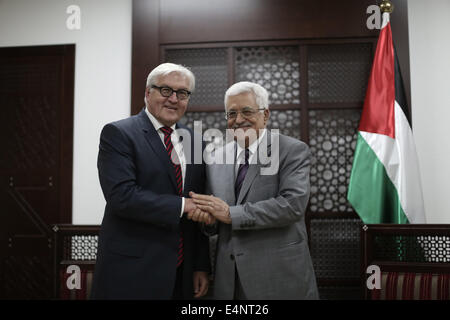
(240, 118)
(173, 97)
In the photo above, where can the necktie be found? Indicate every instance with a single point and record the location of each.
(242, 171)
(179, 179)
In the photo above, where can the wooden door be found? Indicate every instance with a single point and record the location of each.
(36, 142)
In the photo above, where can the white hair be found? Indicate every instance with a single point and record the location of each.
(261, 94)
(167, 68)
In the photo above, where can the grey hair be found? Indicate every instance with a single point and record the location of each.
(261, 94)
(166, 68)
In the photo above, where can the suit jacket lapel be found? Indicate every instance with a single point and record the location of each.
(189, 167)
(224, 174)
(253, 170)
(248, 180)
(152, 137)
(187, 180)
(228, 181)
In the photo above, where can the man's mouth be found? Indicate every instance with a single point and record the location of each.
(242, 127)
(171, 108)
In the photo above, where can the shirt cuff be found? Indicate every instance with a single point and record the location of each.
(182, 206)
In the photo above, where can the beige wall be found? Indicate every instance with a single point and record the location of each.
(102, 76)
(429, 29)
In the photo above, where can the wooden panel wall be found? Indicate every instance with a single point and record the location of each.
(158, 22)
(217, 20)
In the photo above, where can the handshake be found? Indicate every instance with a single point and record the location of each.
(206, 209)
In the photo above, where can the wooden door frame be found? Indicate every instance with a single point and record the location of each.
(66, 116)
(40, 244)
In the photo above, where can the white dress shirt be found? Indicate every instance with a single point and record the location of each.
(240, 153)
(177, 147)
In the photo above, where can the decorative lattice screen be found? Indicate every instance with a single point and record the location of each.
(210, 69)
(80, 247)
(334, 78)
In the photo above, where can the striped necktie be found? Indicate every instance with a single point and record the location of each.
(179, 179)
(242, 171)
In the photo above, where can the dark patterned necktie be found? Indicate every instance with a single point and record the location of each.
(242, 171)
(179, 179)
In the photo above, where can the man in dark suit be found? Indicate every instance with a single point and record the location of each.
(147, 248)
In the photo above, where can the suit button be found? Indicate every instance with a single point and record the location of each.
(231, 256)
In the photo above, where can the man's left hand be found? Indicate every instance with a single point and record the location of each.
(215, 206)
(201, 216)
(201, 283)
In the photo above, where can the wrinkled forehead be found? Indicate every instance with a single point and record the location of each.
(242, 100)
(175, 80)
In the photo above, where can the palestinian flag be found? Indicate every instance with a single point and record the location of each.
(385, 183)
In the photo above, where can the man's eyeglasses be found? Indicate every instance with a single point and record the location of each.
(246, 113)
(168, 91)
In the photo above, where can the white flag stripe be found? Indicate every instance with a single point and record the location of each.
(399, 158)
(385, 19)
(409, 184)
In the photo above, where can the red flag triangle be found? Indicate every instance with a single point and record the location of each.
(378, 114)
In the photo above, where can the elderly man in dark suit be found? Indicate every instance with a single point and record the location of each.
(259, 200)
(147, 248)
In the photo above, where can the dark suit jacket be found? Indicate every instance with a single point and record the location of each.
(139, 237)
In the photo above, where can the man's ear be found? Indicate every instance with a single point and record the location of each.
(266, 115)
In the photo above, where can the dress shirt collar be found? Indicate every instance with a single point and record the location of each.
(251, 148)
(158, 125)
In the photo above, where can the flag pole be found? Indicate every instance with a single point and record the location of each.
(386, 6)
(404, 242)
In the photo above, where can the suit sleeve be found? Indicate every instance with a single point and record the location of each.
(125, 198)
(211, 229)
(290, 204)
(202, 261)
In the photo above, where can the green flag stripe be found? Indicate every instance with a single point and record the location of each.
(371, 192)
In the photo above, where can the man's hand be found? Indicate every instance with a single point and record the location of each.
(201, 216)
(215, 206)
(201, 283)
(195, 214)
(189, 205)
